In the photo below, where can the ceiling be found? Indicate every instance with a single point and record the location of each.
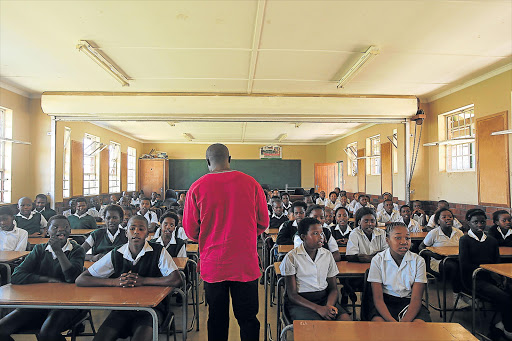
(249, 47)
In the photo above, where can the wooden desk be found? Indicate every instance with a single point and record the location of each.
(382, 331)
(342, 249)
(80, 232)
(351, 220)
(352, 269)
(38, 240)
(69, 296)
(7, 257)
(418, 235)
(503, 269)
(273, 231)
(276, 268)
(505, 251)
(181, 262)
(88, 263)
(274, 237)
(192, 248)
(100, 223)
(446, 251)
(284, 248)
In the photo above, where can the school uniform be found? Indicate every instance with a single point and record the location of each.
(14, 240)
(413, 225)
(47, 213)
(380, 207)
(436, 238)
(156, 203)
(420, 219)
(311, 278)
(150, 216)
(276, 221)
(337, 233)
(152, 261)
(286, 209)
(358, 205)
(504, 238)
(347, 206)
(32, 224)
(286, 233)
(84, 221)
(103, 241)
(397, 281)
(135, 202)
(176, 246)
(67, 213)
(385, 217)
(359, 244)
(322, 202)
(329, 242)
(93, 212)
(431, 224)
(330, 204)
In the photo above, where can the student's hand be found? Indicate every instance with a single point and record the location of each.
(327, 312)
(55, 244)
(418, 211)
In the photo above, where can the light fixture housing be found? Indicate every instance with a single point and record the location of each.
(502, 132)
(282, 137)
(450, 142)
(91, 52)
(367, 56)
(188, 136)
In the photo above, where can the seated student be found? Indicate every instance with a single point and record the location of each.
(337, 190)
(365, 240)
(364, 201)
(12, 238)
(127, 214)
(29, 220)
(308, 199)
(329, 217)
(342, 230)
(278, 217)
(501, 230)
(343, 202)
(103, 240)
(418, 214)
(135, 199)
(82, 220)
(169, 237)
(95, 208)
(72, 208)
(322, 199)
(405, 217)
(386, 196)
(355, 200)
(153, 199)
(182, 196)
(310, 275)
(333, 200)
(40, 207)
(287, 205)
(136, 263)
(288, 230)
(440, 205)
(342, 192)
(275, 193)
(388, 214)
(181, 230)
(159, 202)
(123, 202)
(317, 212)
(144, 211)
(398, 279)
(59, 260)
(476, 248)
(444, 235)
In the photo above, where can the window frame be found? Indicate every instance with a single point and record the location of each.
(131, 173)
(5, 155)
(465, 151)
(66, 164)
(352, 159)
(373, 153)
(93, 148)
(114, 167)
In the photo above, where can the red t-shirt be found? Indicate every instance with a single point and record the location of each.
(225, 212)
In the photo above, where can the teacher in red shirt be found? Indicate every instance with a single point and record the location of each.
(225, 211)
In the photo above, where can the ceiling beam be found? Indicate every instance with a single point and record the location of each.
(258, 28)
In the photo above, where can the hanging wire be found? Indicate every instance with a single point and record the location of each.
(415, 151)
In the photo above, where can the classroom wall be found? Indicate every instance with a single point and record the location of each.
(309, 155)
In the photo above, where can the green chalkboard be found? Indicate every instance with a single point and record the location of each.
(275, 173)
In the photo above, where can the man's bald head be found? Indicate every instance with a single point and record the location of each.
(217, 155)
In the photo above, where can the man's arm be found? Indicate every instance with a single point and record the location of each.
(262, 218)
(191, 217)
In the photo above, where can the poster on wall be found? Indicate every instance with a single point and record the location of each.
(271, 152)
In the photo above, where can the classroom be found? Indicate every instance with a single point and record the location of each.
(107, 100)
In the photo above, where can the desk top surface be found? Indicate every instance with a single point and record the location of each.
(64, 294)
(382, 331)
(418, 235)
(273, 231)
(454, 250)
(37, 240)
(342, 249)
(284, 248)
(180, 262)
(9, 256)
(192, 248)
(344, 267)
(80, 232)
(504, 269)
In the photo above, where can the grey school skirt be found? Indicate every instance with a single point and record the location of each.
(297, 312)
(396, 305)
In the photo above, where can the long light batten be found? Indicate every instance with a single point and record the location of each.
(85, 47)
(370, 53)
(502, 132)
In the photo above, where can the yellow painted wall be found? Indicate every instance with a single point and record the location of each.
(309, 155)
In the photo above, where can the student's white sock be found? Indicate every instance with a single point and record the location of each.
(500, 326)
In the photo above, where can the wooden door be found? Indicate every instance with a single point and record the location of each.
(152, 176)
(326, 177)
(361, 171)
(386, 177)
(77, 168)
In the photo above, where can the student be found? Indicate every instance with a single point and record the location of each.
(317, 212)
(127, 214)
(342, 230)
(343, 192)
(181, 230)
(40, 204)
(444, 235)
(501, 230)
(275, 193)
(82, 220)
(287, 205)
(135, 199)
(123, 202)
(182, 196)
(72, 208)
(137, 263)
(308, 199)
(363, 201)
(329, 217)
(12, 238)
(405, 217)
(288, 230)
(95, 208)
(322, 199)
(337, 190)
(398, 279)
(158, 203)
(29, 220)
(103, 240)
(418, 214)
(355, 200)
(365, 240)
(153, 199)
(440, 205)
(310, 275)
(59, 260)
(144, 211)
(168, 235)
(386, 196)
(333, 200)
(278, 217)
(388, 214)
(476, 248)
(343, 202)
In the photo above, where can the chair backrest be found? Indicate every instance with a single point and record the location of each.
(366, 298)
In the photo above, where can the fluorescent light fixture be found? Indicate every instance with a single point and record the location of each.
(13, 141)
(282, 137)
(298, 124)
(502, 132)
(171, 123)
(91, 52)
(449, 142)
(188, 136)
(354, 70)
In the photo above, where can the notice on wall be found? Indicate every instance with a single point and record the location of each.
(271, 152)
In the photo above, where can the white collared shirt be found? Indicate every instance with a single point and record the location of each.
(14, 240)
(338, 205)
(135, 202)
(67, 247)
(181, 233)
(150, 217)
(110, 236)
(397, 280)
(347, 231)
(274, 216)
(359, 244)
(43, 222)
(320, 201)
(358, 206)
(436, 237)
(385, 217)
(474, 236)
(431, 223)
(80, 216)
(181, 253)
(104, 268)
(420, 218)
(330, 204)
(413, 225)
(93, 212)
(310, 275)
(509, 232)
(380, 207)
(331, 243)
(66, 213)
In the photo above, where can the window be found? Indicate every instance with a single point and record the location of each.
(373, 154)
(395, 151)
(92, 148)
(131, 174)
(114, 167)
(352, 158)
(460, 125)
(5, 154)
(66, 173)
